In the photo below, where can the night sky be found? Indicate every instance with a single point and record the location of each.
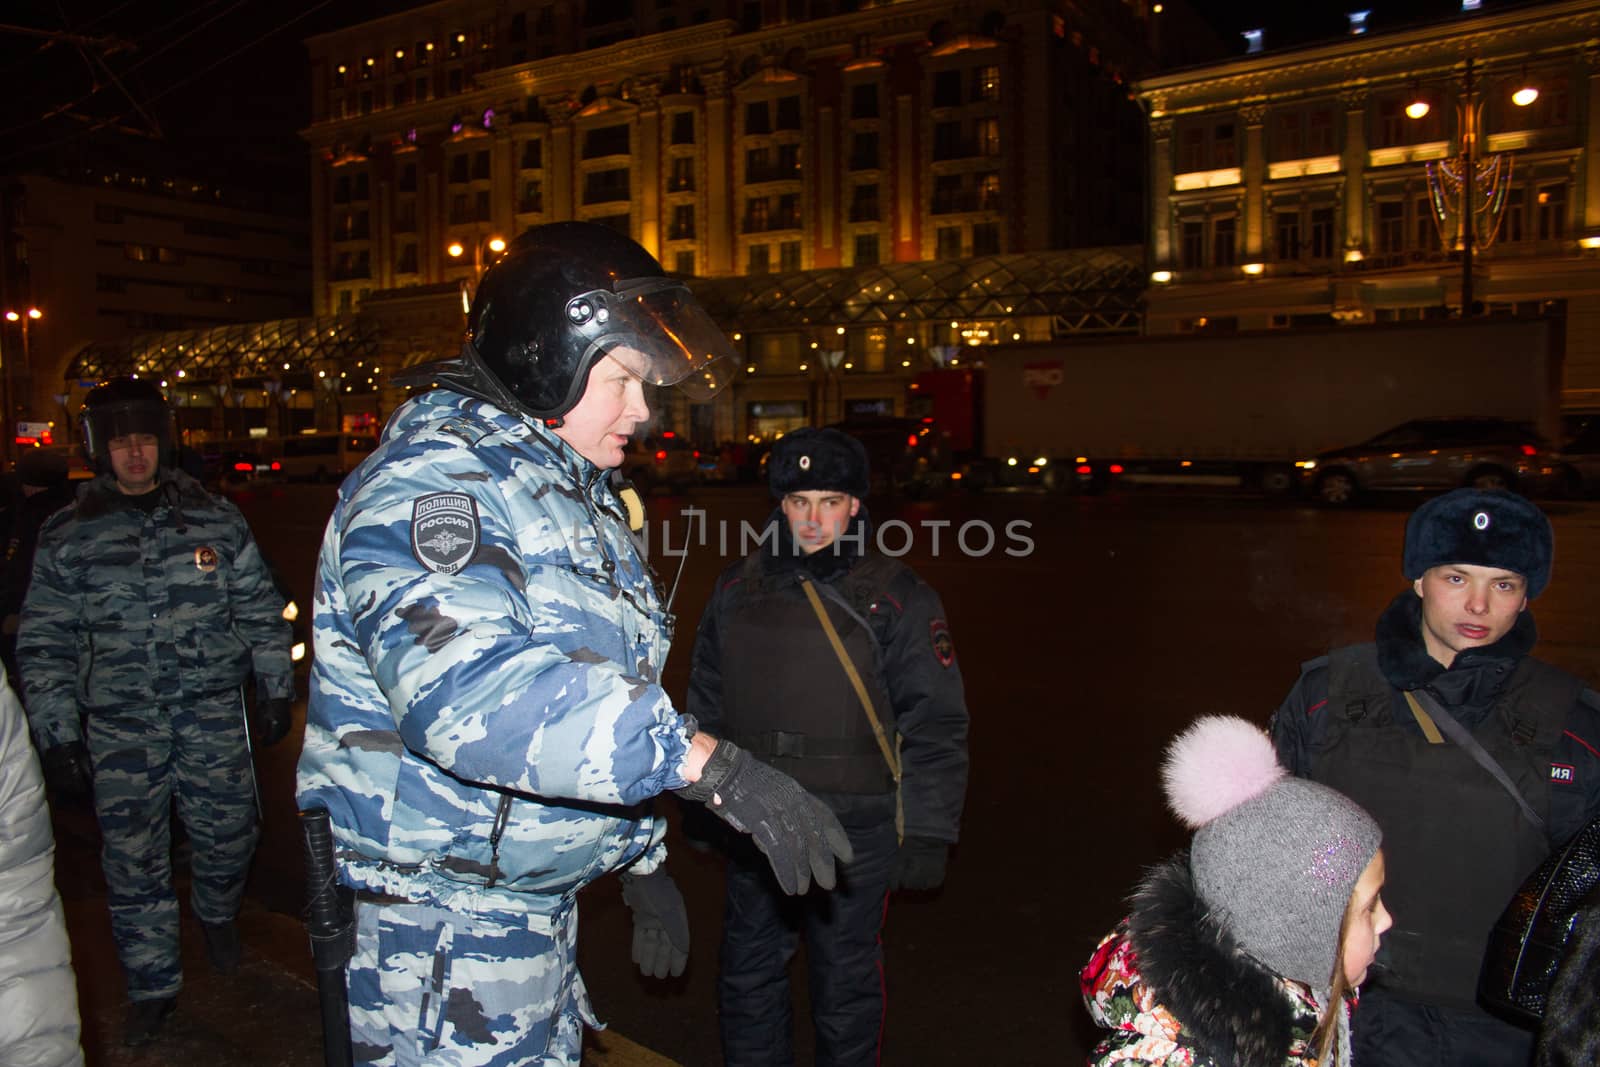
(225, 83)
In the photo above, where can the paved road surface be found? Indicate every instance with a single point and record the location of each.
(1130, 615)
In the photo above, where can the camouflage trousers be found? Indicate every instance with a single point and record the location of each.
(433, 986)
(143, 758)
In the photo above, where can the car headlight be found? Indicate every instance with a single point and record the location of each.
(1307, 464)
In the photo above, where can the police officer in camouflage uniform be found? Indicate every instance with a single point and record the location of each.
(767, 675)
(148, 609)
(487, 723)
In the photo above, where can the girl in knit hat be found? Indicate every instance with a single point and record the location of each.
(1243, 950)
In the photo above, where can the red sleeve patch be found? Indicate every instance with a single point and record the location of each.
(944, 649)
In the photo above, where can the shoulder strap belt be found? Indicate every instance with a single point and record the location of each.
(856, 683)
(1424, 706)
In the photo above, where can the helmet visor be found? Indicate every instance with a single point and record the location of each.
(658, 332)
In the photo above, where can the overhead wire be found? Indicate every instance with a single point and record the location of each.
(255, 40)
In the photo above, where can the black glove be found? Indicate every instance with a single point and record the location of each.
(920, 864)
(67, 770)
(272, 719)
(660, 923)
(795, 831)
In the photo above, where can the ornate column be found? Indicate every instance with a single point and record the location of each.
(647, 94)
(559, 165)
(1353, 191)
(718, 159)
(1254, 174)
(1160, 220)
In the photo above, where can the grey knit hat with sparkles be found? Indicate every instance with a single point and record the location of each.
(1275, 858)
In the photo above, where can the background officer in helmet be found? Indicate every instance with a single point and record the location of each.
(149, 607)
(766, 674)
(1374, 722)
(487, 721)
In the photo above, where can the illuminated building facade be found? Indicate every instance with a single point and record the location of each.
(1293, 187)
(813, 165)
(105, 252)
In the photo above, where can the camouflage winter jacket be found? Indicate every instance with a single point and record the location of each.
(136, 608)
(486, 719)
(1174, 990)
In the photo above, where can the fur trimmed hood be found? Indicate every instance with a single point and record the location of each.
(1171, 977)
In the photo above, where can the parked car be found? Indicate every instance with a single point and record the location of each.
(1580, 454)
(667, 459)
(1435, 454)
(323, 456)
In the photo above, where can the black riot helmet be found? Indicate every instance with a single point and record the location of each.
(565, 295)
(120, 407)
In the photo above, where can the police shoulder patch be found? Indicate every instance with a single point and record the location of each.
(1564, 773)
(444, 531)
(944, 649)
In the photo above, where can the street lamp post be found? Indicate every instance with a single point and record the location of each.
(26, 318)
(494, 243)
(1456, 186)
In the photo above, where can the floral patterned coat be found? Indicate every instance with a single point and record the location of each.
(1173, 990)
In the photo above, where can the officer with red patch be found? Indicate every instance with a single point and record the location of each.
(835, 664)
(1475, 757)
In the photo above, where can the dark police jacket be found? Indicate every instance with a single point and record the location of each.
(1457, 845)
(766, 677)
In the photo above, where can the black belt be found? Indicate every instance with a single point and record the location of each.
(783, 744)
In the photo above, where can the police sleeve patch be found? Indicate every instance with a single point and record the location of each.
(444, 531)
(944, 649)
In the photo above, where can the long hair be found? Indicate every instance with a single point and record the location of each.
(1326, 1034)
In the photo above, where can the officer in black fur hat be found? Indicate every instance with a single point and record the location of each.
(834, 663)
(1475, 758)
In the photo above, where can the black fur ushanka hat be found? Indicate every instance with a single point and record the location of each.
(1485, 527)
(809, 458)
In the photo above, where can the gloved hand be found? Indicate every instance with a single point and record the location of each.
(920, 864)
(660, 923)
(67, 771)
(272, 719)
(795, 831)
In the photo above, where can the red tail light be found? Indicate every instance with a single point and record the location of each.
(669, 434)
(1084, 468)
(1530, 450)
(697, 453)
(243, 466)
(1116, 468)
(661, 457)
(276, 466)
(911, 441)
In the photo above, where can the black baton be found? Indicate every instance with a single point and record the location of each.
(332, 929)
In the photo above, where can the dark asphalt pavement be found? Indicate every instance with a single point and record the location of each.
(1129, 615)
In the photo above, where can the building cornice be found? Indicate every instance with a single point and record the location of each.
(1519, 36)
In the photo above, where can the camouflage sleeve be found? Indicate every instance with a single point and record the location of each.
(47, 645)
(930, 714)
(495, 672)
(257, 609)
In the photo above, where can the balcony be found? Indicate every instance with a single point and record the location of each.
(962, 201)
(782, 220)
(754, 175)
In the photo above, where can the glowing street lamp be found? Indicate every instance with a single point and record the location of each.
(494, 244)
(27, 318)
(1470, 189)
